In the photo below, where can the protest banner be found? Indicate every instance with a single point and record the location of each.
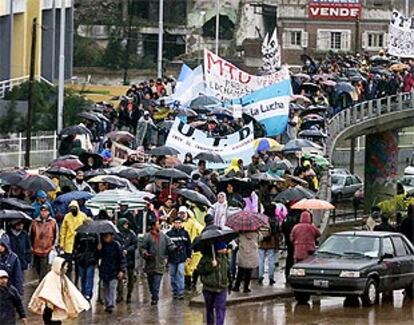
(271, 53)
(186, 138)
(401, 36)
(269, 106)
(229, 82)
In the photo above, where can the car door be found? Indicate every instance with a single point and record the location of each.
(348, 187)
(405, 262)
(390, 264)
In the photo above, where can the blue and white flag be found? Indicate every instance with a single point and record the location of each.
(269, 106)
(184, 72)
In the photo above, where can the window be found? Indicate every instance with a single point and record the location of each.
(336, 40)
(387, 247)
(399, 246)
(375, 40)
(295, 38)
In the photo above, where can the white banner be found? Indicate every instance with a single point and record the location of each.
(401, 36)
(271, 53)
(185, 138)
(229, 82)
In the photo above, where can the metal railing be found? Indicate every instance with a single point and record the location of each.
(8, 85)
(12, 149)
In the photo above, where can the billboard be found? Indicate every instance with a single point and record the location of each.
(335, 9)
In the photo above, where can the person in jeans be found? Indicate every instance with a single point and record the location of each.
(154, 250)
(216, 278)
(111, 269)
(44, 236)
(85, 254)
(268, 247)
(178, 257)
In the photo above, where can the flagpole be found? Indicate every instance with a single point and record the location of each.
(217, 26)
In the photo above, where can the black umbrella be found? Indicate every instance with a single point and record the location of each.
(281, 165)
(75, 129)
(206, 190)
(298, 145)
(171, 173)
(194, 196)
(186, 168)
(240, 185)
(209, 156)
(98, 227)
(203, 101)
(166, 125)
(35, 183)
(313, 110)
(95, 172)
(187, 112)
(55, 170)
(294, 194)
(17, 204)
(89, 117)
(14, 177)
(97, 159)
(265, 177)
(378, 59)
(130, 173)
(309, 123)
(310, 86)
(344, 87)
(6, 215)
(312, 134)
(164, 151)
(208, 237)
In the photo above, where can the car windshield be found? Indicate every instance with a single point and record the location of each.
(407, 181)
(337, 180)
(351, 246)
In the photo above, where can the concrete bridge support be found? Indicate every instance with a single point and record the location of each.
(381, 167)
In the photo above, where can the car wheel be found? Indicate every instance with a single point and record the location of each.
(301, 297)
(370, 295)
(409, 291)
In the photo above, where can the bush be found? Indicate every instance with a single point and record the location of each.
(86, 52)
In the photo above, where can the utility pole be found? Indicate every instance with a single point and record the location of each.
(407, 8)
(217, 26)
(357, 38)
(160, 38)
(127, 45)
(61, 88)
(30, 95)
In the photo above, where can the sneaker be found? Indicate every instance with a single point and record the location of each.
(154, 302)
(272, 282)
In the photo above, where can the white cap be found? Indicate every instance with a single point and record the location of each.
(3, 274)
(182, 209)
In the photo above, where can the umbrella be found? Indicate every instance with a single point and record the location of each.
(130, 173)
(186, 168)
(69, 162)
(297, 180)
(172, 161)
(98, 227)
(6, 215)
(378, 59)
(299, 144)
(110, 199)
(265, 177)
(312, 121)
(300, 98)
(147, 171)
(194, 197)
(206, 190)
(317, 159)
(171, 173)
(121, 136)
(357, 77)
(55, 170)
(97, 159)
(210, 236)
(222, 111)
(164, 151)
(267, 144)
(302, 76)
(74, 196)
(209, 156)
(96, 172)
(313, 204)
(246, 221)
(187, 112)
(399, 67)
(240, 185)
(14, 177)
(344, 87)
(203, 101)
(328, 83)
(281, 165)
(101, 116)
(89, 117)
(111, 179)
(310, 86)
(17, 204)
(166, 125)
(313, 117)
(74, 130)
(313, 110)
(35, 183)
(312, 134)
(294, 194)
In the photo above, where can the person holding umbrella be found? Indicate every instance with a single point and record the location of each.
(20, 242)
(41, 200)
(10, 263)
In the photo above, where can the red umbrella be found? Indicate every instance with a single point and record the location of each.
(247, 221)
(71, 163)
(313, 204)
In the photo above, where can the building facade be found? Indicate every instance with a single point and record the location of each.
(16, 26)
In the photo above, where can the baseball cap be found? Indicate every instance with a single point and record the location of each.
(44, 207)
(182, 209)
(3, 274)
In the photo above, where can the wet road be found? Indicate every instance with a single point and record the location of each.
(319, 311)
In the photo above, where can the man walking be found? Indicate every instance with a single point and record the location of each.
(154, 250)
(10, 263)
(10, 302)
(44, 235)
(20, 243)
(178, 257)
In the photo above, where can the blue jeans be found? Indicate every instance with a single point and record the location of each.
(154, 283)
(87, 275)
(177, 278)
(272, 258)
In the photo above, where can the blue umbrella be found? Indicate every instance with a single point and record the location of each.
(344, 87)
(74, 196)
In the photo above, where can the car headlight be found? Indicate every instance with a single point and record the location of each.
(297, 272)
(349, 274)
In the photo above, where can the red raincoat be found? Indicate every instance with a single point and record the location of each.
(303, 237)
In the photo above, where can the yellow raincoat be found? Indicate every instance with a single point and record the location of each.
(234, 166)
(68, 228)
(194, 228)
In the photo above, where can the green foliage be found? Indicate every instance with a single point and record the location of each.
(44, 108)
(86, 52)
(114, 55)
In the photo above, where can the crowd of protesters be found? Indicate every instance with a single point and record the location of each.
(170, 223)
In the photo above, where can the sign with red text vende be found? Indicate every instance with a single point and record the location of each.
(335, 9)
(229, 82)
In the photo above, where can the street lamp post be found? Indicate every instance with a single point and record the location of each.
(217, 26)
(160, 38)
(202, 14)
(407, 8)
(61, 88)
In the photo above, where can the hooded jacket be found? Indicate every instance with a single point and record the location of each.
(10, 263)
(59, 293)
(10, 302)
(44, 236)
(20, 245)
(36, 205)
(112, 262)
(129, 242)
(68, 229)
(303, 237)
